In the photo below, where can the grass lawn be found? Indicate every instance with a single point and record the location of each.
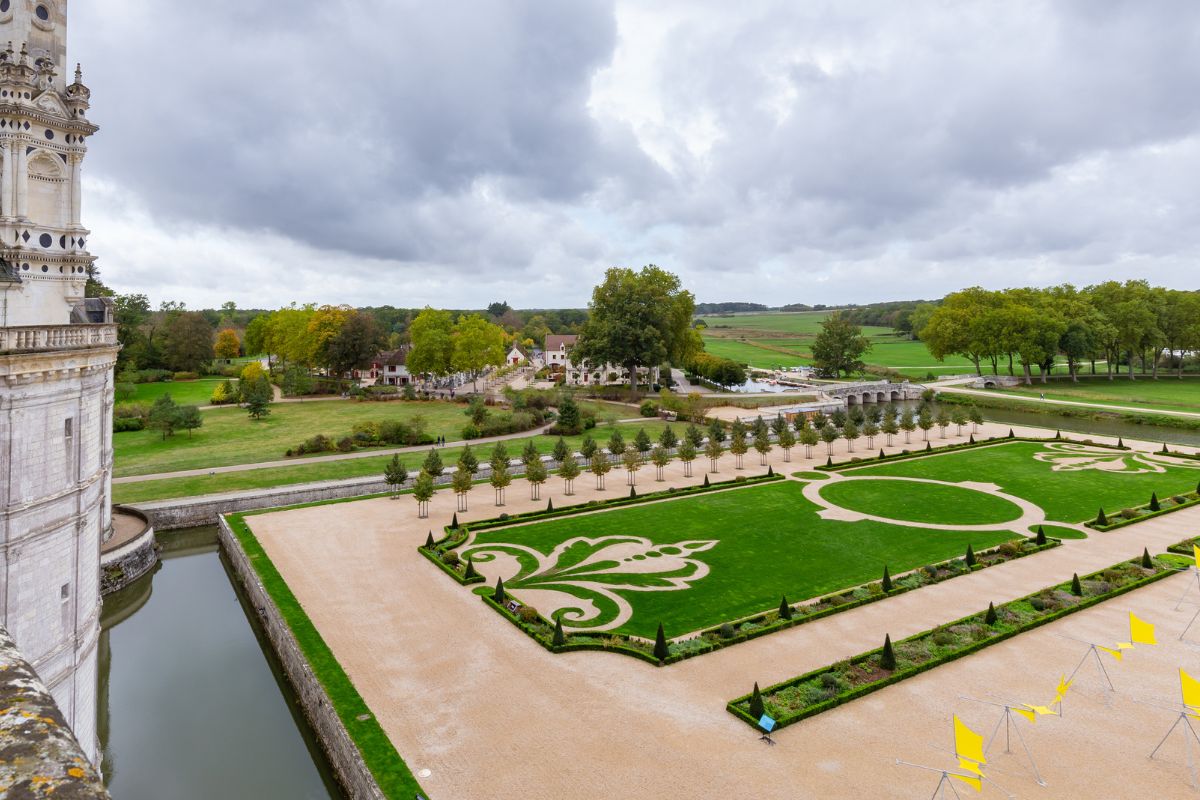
(229, 436)
(769, 541)
(186, 393)
(747, 353)
(921, 502)
(1167, 393)
(305, 472)
(1066, 496)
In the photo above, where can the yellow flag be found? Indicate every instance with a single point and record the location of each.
(1124, 645)
(970, 766)
(1029, 715)
(1063, 685)
(1191, 690)
(1140, 631)
(968, 743)
(1117, 654)
(974, 783)
(1043, 710)
(1196, 554)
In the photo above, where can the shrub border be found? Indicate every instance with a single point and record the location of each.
(899, 675)
(1121, 522)
(379, 754)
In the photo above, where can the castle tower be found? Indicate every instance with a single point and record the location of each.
(57, 351)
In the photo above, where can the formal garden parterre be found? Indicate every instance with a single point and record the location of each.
(720, 568)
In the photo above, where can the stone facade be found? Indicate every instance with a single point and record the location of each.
(57, 352)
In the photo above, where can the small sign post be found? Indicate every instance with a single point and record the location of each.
(767, 725)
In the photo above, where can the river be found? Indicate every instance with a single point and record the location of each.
(192, 701)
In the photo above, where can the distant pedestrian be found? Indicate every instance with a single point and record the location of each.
(1042, 395)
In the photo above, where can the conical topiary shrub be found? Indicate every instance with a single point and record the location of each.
(881, 455)
(1076, 586)
(971, 439)
(1011, 435)
(499, 595)
(829, 461)
(887, 659)
(1164, 451)
(706, 483)
(1146, 562)
(1041, 536)
(559, 637)
(1100, 518)
(661, 650)
(632, 492)
(770, 471)
(454, 521)
(470, 572)
(1058, 434)
(1120, 443)
(785, 610)
(990, 617)
(756, 703)
(887, 579)
(1154, 505)
(429, 541)
(549, 505)
(970, 557)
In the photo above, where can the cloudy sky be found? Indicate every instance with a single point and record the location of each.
(464, 151)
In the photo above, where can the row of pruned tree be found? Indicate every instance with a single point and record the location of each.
(1117, 323)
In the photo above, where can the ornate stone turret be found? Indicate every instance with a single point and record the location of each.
(57, 351)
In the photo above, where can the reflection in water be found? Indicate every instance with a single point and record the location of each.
(192, 703)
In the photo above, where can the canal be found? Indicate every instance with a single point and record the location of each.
(192, 700)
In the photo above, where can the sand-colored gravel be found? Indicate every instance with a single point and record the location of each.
(491, 714)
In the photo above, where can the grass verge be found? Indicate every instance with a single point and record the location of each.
(378, 752)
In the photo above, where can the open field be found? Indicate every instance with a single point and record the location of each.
(186, 393)
(1166, 393)
(756, 339)
(302, 472)
(736, 552)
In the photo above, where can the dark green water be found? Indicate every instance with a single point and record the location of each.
(192, 703)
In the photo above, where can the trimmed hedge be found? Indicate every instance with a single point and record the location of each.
(462, 579)
(379, 754)
(737, 706)
(1120, 522)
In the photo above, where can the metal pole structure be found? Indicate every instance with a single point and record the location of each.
(1186, 720)
(1195, 571)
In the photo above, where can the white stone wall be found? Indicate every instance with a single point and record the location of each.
(54, 512)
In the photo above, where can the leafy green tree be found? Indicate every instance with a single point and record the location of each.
(850, 433)
(908, 423)
(432, 337)
(467, 461)
(687, 454)
(476, 344)
(716, 431)
(433, 464)
(530, 453)
(599, 466)
(694, 435)
(616, 443)
(352, 346)
(638, 319)
(943, 421)
(870, 430)
(164, 415)
(890, 427)
(588, 447)
(257, 394)
(188, 342)
(569, 421)
(499, 454)
(461, 483)
(423, 490)
(762, 444)
(632, 460)
(668, 439)
(642, 442)
(829, 435)
(809, 438)
(714, 450)
(500, 479)
(787, 440)
(660, 457)
(395, 474)
(925, 422)
(569, 470)
(190, 418)
(561, 451)
(535, 474)
(839, 347)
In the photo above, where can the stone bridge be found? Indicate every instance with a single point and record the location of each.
(853, 394)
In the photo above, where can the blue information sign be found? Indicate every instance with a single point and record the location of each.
(766, 723)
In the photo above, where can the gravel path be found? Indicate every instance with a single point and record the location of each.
(491, 714)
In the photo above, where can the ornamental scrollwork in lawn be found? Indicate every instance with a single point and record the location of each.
(594, 571)
(1071, 457)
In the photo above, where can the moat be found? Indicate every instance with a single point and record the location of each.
(192, 703)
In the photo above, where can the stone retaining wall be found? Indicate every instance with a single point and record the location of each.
(343, 755)
(125, 564)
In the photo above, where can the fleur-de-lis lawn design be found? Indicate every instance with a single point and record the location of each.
(1071, 457)
(594, 571)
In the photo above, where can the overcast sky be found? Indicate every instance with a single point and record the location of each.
(454, 153)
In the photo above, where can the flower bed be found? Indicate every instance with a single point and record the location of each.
(1129, 516)
(830, 686)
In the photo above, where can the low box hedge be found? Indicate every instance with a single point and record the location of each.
(738, 706)
(1117, 521)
